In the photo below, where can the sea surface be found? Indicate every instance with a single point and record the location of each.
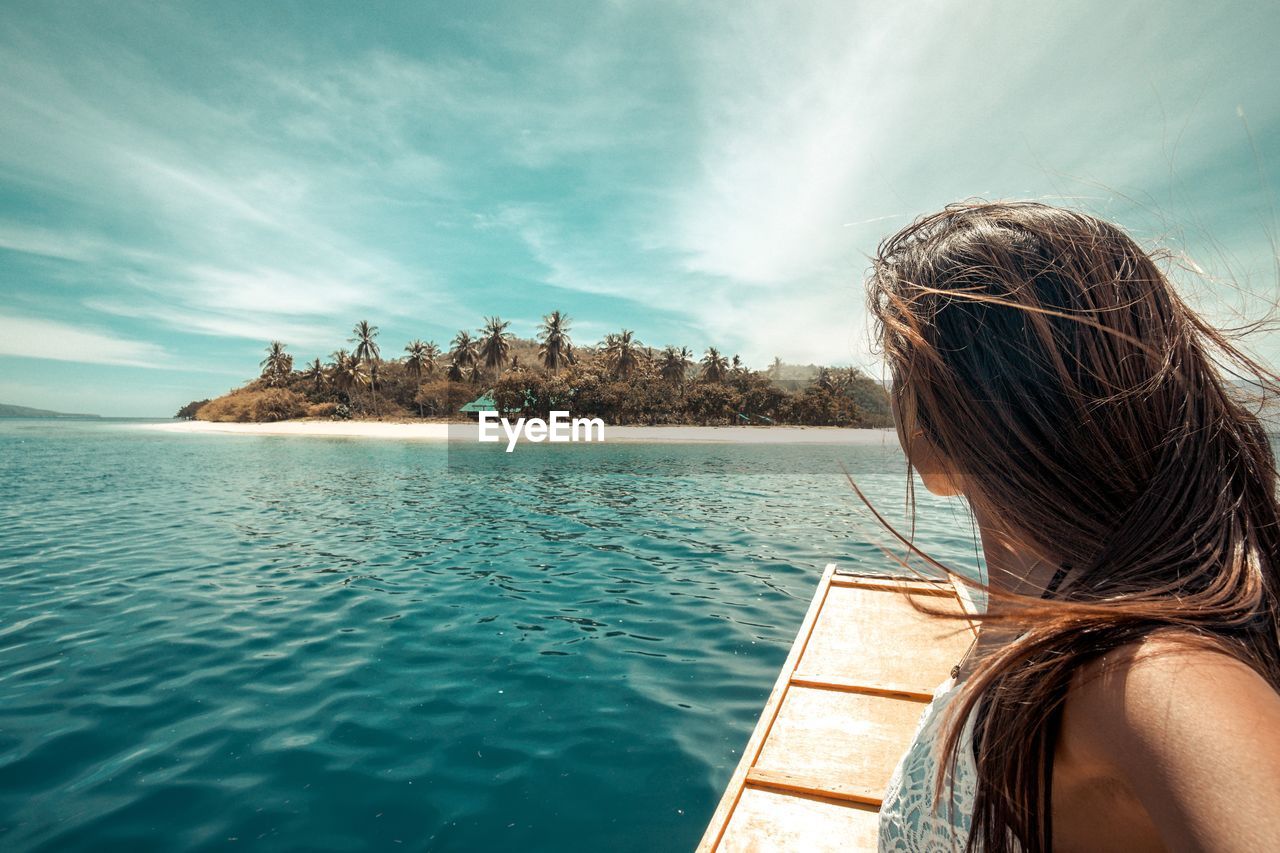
(295, 643)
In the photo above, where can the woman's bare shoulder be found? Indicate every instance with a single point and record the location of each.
(1166, 671)
(1191, 730)
(1164, 684)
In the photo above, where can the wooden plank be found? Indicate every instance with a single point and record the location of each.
(868, 636)
(733, 791)
(768, 821)
(901, 585)
(798, 783)
(835, 682)
(899, 575)
(851, 741)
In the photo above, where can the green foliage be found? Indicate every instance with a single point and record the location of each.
(277, 366)
(871, 398)
(441, 398)
(556, 347)
(821, 406)
(532, 393)
(494, 348)
(619, 380)
(710, 403)
(252, 404)
(188, 412)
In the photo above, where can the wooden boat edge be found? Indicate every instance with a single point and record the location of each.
(831, 576)
(733, 790)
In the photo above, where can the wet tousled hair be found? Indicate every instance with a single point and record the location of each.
(1052, 367)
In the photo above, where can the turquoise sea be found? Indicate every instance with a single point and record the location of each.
(285, 643)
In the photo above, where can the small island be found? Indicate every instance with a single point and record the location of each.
(8, 410)
(618, 379)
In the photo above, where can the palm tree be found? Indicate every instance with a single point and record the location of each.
(456, 372)
(347, 373)
(775, 369)
(367, 351)
(737, 364)
(674, 364)
(556, 347)
(430, 358)
(366, 347)
(825, 380)
(495, 344)
(278, 364)
(465, 352)
(314, 372)
(622, 353)
(421, 359)
(714, 366)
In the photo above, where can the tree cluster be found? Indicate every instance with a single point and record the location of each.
(619, 379)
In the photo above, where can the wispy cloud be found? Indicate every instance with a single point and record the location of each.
(570, 262)
(703, 173)
(224, 220)
(49, 243)
(785, 145)
(30, 337)
(253, 327)
(819, 127)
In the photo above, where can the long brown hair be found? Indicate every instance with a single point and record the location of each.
(1055, 371)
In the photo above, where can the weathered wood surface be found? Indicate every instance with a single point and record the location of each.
(843, 710)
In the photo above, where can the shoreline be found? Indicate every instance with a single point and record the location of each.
(442, 431)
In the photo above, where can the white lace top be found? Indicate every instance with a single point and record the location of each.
(910, 820)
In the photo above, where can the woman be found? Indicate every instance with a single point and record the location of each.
(1123, 691)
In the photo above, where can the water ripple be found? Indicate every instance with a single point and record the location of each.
(339, 644)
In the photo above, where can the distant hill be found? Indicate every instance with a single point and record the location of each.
(10, 411)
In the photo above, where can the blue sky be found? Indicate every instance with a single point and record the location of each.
(181, 183)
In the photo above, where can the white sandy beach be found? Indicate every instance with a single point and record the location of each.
(429, 431)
